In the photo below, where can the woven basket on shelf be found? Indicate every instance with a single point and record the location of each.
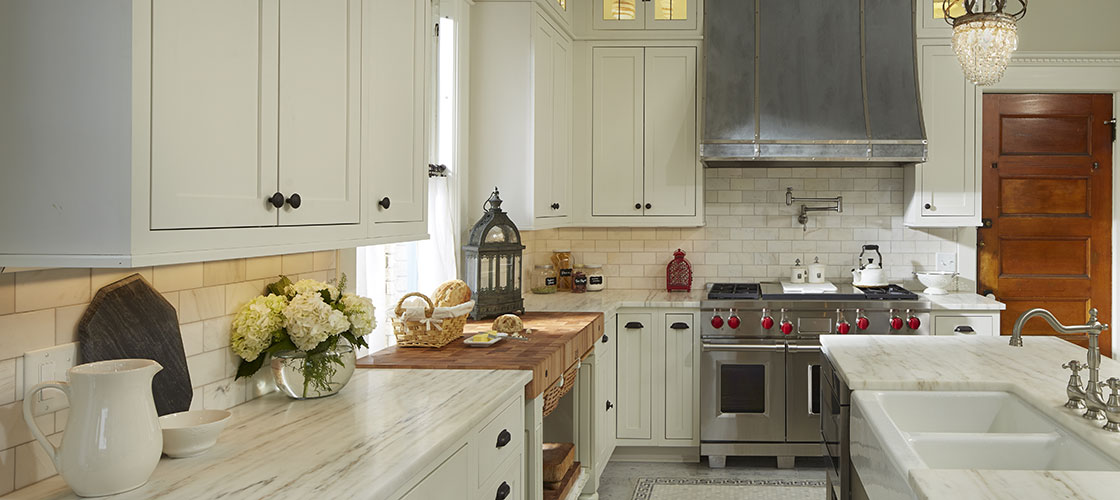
(426, 334)
(553, 394)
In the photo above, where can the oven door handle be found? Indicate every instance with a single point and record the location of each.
(805, 348)
(744, 347)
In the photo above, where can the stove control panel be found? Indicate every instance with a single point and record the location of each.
(780, 322)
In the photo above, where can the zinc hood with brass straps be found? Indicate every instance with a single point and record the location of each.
(827, 82)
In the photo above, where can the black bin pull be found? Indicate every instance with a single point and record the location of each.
(680, 325)
(504, 438)
(634, 325)
(964, 330)
(503, 491)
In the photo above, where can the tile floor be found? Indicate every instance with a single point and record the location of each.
(620, 478)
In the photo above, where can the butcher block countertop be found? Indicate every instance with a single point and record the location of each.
(558, 340)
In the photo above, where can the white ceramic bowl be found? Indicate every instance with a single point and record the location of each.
(190, 433)
(936, 282)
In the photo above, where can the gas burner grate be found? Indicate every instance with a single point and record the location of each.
(734, 291)
(888, 292)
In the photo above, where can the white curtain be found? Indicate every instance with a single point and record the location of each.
(437, 255)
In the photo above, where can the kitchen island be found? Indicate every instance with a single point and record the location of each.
(966, 363)
(377, 438)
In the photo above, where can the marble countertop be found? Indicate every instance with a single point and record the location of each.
(954, 363)
(963, 301)
(365, 442)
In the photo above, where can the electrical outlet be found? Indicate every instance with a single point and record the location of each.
(947, 262)
(46, 365)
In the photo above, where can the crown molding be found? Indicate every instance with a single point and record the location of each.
(1065, 59)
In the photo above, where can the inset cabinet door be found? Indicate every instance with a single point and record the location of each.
(545, 126)
(617, 143)
(948, 177)
(319, 154)
(681, 377)
(670, 131)
(562, 133)
(644, 14)
(208, 61)
(635, 374)
(397, 48)
(671, 14)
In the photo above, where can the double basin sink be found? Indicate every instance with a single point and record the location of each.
(958, 430)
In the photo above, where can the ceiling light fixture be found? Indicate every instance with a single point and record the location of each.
(984, 37)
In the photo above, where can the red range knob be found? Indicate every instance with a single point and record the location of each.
(863, 323)
(896, 323)
(717, 321)
(787, 327)
(767, 323)
(913, 322)
(733, 322)
(843, 328)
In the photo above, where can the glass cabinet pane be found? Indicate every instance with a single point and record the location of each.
(620, 10)
(670, 10)
(956, 8)
(563, 4)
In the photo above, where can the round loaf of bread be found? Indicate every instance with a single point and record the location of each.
(451, 294)
(508, 323)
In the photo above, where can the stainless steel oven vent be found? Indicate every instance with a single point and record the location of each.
(833, 82)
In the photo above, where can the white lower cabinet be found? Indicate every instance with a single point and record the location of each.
(596, 390)
(980, 323)
(447, 481)
(658, 379)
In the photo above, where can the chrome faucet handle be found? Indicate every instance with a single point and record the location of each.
(1073, 389)
(1112, 408)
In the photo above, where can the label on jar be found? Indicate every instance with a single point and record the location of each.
(595, 280)
(580, 280)
(564, 273)
(550, 281)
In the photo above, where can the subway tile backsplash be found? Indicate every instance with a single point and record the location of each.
(751, 234)
(40, 309)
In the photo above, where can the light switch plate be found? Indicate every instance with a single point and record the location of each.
(947, 262)
(44, 365)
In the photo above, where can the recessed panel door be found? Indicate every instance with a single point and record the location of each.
(670, 138)
(635, 376)
(681, 370)
(617, 131)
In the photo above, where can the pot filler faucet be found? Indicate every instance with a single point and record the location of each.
(1089, 397)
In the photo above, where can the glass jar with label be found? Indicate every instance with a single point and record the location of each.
(543, 279)
(579, 280)
(595, 279)
(562, 261)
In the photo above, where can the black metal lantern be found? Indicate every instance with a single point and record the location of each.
(492, 263)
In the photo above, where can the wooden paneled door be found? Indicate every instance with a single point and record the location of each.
(1047, 162)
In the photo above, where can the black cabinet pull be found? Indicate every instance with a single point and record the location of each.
(277, 200)
(384, 203)
(679, 326)
(637, 206)
(504, 438)
(503, 491)
(964, 329)
(928, 206)
(294, 200)
(606, 338)
(609, 405)
(556, 206)
(634, 325)
(649, 206)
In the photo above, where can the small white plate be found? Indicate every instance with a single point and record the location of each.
(488, 343)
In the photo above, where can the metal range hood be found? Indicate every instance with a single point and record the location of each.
(827, 82)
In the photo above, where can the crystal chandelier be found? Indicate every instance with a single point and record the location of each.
(984, 37)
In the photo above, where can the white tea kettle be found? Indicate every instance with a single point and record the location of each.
(871, 273)
(113, 440)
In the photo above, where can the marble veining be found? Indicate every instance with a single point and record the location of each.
(951, 363)
(963, 301)
(367, 442)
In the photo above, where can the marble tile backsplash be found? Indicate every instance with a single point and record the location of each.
(750, 233)
(41, 308)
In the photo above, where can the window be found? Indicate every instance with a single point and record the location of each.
(387, 272)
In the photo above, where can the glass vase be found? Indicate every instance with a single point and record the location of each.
(303, 376)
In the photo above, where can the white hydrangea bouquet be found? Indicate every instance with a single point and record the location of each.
(308, 316)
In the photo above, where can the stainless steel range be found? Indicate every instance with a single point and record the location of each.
(760, 372)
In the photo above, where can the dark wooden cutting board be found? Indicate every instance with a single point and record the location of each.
(130, 319)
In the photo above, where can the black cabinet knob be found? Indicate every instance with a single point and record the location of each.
(928, 206)
(637, 206)
(649, 206)
(504, 438)
(609, 405)
(634, 325)
(277, 200)
(503, 491)
(606, 338)
(294, 200)
(384, 203)
(556, 206)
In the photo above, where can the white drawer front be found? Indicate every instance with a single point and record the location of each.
(501, 438)
(983, 325)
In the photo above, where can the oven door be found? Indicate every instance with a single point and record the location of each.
(743, 392)
(803, 407)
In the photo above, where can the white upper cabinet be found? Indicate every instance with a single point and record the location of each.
(521, 113)
(945, 190)
(608, 15)
(644, 159)
(211, 129)
(396, 112)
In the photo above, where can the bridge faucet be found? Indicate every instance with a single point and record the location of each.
(1093, 398)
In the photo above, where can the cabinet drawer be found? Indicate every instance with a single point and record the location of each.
(506, 484)
(447, 481)
(983, 325)
(501, 438)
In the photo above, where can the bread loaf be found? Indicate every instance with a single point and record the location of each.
(508, 323)
(451, 293)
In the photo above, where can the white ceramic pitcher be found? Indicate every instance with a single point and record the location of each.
(112, 441)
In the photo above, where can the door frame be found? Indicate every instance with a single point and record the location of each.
(1053, 73)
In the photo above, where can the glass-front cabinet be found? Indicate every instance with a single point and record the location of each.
(645, 14)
